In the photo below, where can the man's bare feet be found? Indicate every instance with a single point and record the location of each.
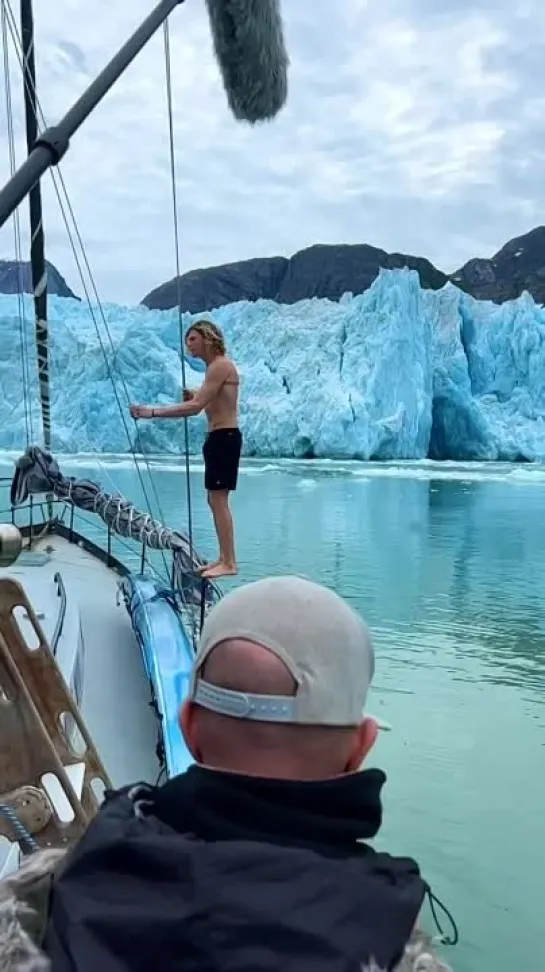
(220, 570)
(208, 566)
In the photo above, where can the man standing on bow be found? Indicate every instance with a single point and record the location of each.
(218, 397)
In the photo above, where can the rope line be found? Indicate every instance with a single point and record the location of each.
(17, 234)
(17, 40)
(23, 834)
(172, 155)
(12, 24)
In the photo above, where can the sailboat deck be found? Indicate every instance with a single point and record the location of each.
(96, 650)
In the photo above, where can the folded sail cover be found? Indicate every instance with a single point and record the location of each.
(38, 472)
(249, 46)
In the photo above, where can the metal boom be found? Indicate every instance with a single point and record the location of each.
(52, 144)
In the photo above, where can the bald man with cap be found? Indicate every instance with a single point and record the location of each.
(280, 682)
(256, 858)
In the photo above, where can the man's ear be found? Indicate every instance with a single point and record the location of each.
(186, 721)
(365, 740)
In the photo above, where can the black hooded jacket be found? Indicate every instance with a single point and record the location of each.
(218, 872)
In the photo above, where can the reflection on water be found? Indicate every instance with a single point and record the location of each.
(448, 566)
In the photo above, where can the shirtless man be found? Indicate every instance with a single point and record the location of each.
(218, 396)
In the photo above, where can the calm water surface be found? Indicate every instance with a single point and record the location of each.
(447, 564)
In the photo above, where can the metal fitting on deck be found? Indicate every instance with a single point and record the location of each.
(11, 544)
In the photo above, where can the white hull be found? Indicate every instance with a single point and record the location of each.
(97, 651)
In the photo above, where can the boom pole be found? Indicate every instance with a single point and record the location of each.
(51, 145)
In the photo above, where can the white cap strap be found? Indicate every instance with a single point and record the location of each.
(243, 705)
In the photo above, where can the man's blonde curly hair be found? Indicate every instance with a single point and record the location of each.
(211, 334)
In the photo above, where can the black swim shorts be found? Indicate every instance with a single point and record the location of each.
(221, 452)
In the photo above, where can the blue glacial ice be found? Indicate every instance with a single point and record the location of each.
(395, 373)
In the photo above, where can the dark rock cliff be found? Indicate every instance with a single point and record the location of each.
(15, 276)
(327, 271)
(330, 271)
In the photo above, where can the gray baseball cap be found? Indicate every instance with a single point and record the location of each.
(323, 642)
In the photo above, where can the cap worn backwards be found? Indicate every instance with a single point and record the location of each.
(324, 644)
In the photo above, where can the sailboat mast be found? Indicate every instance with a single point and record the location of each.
(37, 243)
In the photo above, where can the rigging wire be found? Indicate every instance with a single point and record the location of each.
(27, 406)
(172, 155)
(12, 24)
(18, 43)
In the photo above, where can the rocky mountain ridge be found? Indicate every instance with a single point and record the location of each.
(326, 270)
(332, 270)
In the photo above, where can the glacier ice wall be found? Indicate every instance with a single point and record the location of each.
(395, 373)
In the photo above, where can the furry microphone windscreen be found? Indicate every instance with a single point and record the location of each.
(249, 46)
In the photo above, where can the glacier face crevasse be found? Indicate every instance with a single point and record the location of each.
(395, 373)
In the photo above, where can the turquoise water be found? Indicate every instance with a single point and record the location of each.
(447, 563)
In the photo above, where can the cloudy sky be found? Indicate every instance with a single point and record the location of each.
(407, 128)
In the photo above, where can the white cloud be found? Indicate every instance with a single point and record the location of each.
(406, 128)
